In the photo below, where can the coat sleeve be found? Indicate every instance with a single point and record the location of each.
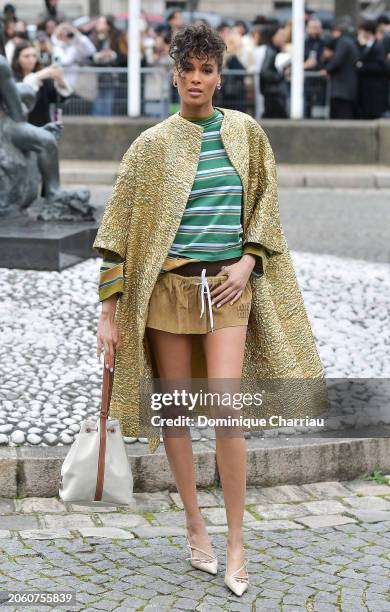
(260, 255)
(112, 235)
(263, 233)
(269, 73)
(111, 276)
(339, 56)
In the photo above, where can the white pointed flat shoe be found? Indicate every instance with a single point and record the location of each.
(237, 584)
(209, 563)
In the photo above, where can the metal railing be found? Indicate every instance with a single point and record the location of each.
(103, 92)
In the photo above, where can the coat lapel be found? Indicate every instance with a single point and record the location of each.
(179, 174)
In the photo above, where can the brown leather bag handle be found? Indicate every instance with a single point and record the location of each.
(108, 378)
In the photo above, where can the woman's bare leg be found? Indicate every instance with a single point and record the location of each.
(224, 350)
(173, 359)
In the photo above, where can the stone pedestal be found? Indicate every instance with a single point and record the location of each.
(37, 245)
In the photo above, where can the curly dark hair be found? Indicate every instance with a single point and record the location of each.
(197, 40)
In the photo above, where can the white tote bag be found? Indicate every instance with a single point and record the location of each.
(96, 470)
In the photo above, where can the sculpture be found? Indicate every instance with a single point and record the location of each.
(29, 158)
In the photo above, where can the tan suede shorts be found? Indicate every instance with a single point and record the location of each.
(181, 305)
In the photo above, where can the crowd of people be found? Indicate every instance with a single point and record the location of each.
(347, 69)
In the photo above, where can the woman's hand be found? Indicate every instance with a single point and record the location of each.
(51, 72)
(108, 335)
(235, 284)
(105, 55)
(45, 73)
(311, 62)
(57, 74)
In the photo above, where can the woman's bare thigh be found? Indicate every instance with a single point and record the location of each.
(172, 353)
(224, 351)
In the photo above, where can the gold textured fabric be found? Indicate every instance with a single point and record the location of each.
(139, 224)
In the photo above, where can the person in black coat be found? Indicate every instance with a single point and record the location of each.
(383, 32)
(343, 72)
(273, 84)
(373, 74)
(314, 87)
(233, 90)
(314, 43)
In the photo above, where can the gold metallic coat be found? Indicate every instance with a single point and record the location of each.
(140, 222)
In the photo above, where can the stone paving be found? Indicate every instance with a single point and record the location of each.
(317, 547)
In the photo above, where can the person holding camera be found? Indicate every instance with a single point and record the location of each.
(71, 49)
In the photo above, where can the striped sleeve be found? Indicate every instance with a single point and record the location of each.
(111, 276)
(261, 257)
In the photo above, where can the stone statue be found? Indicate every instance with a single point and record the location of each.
(29, 158)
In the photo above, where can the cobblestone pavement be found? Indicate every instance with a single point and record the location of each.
(318, 547)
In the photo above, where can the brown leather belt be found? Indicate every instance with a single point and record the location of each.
(194, 268)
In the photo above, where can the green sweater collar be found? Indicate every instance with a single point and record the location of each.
(204, 120)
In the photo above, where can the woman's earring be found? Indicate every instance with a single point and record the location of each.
(219, 86)
(174, 83)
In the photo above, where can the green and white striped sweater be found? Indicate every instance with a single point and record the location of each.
(211, 228)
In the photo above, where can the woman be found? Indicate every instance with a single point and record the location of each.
(259, 53)
(195, 208)
(72, 49)
(110, 43)
(15, 32)
(273, 84)
(156, 86)
(111, 51)
(48, 83)
(233, 85)
(373, 74)
(52, 12)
